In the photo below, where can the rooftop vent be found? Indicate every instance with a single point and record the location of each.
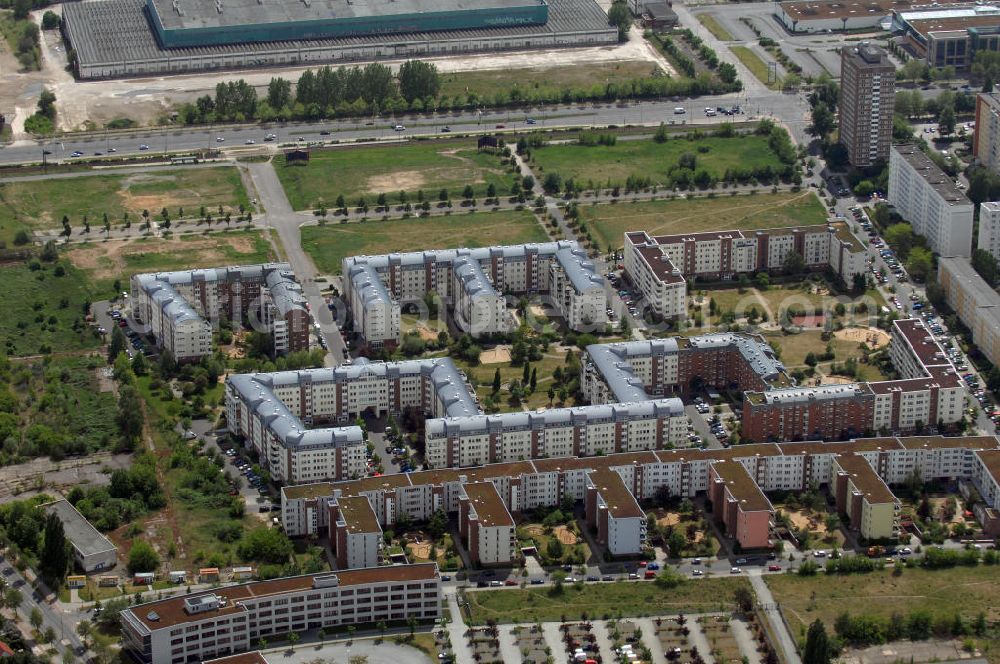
(153, 615)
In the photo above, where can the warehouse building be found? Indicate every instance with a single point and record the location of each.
(474, 282)
(181, 309)
(948, 35)
(124, 38)
(831, 15)
(92, 551)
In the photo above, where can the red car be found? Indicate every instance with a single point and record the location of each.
(650, 574)
(774, 568)
(510, 582)
(642, 563)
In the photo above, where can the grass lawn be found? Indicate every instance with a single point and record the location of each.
(752, 61)
(624, 598)
(488, 82)
(964, 590)
(712, 25)
(482, 376)
(615, 163)
(329, 244)
(49, 313)
(41, 204)
(745, 212)
(104, 261)
(368, 171)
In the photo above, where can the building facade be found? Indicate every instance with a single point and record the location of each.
(486, 525)
(867, 98)
(230, 620)
(614, 514)
(661, 266)
(181, 309)
(355, 534)
(474, 282)
(739, 505)
(926, 197)
(989, 228)
(863, 498)
(986, 138)
(975, 303)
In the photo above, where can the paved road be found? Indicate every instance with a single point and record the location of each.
(61, 622)
(286, 222)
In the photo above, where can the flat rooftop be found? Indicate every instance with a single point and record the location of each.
(865, 479)
(842, 9)
(929, 171)
(358, 515)
(488, 505)
(742, 487)
(920, 340)
(617, 497)
(81, 534)
(169, 612)
(991, 459)
(188, 14)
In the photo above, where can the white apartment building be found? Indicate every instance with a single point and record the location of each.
(486, 525)
(612, 509)
(926, 197)
(232, 619)
(577, 290)
(356, 537)
(657, 278)
(180, 309)
(474, 282)
(377, 314)
(989, 228)
(986, 476)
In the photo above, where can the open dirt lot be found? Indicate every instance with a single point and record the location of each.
(109, 259)
(498, 355)
(869, 335)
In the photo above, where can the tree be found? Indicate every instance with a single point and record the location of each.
(913, 69)
(47, 104)
(142, 558)
(83, 630)
(496, 381)
(418, 80)
(823, 121)
(293, 638)
(53, 560)
(411, 622)
(279, 93)
(620, 16)
(817, 650)
(946, 121)
(139, 365)
(920, 263)
(794, 263)
(13, 598)
(265, 545)
(986, 265)
(744, 599)
(118, 344)
(438, 524)
(50, 20)
(900, 237)
(36, 617)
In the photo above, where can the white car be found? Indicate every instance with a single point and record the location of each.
(735, 570)
(250, 141)
(220, 139)
(399, 128)
(697, 572)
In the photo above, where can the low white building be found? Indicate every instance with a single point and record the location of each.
(92, 551)
(930, 201)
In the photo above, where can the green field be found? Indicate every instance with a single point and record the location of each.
(634, 598)
(485, 83)
(745, 212)
(753, 62)
(963, 590)
(368, 171)
(104, 262)
(44, 312)
(712, 25)
(328, 245)
(647, 158)
(41, 204)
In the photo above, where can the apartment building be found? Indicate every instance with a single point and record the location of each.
(486, 525)
(975, 303)
(181, 309)
(986, 477)
(475, 282)
(232, 619)
(864, 498)
(526, 485)
(867, 99)
(272, 413)
(614, 514)
(986, 139)
(355, 535)
(659, 266)
(926, 197)
(739, 505)
(989, 228)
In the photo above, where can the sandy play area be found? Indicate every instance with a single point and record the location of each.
(869, 335)
(801, 521)
(835, 380)
(562, 533)
(667, 518)
(495, 355)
